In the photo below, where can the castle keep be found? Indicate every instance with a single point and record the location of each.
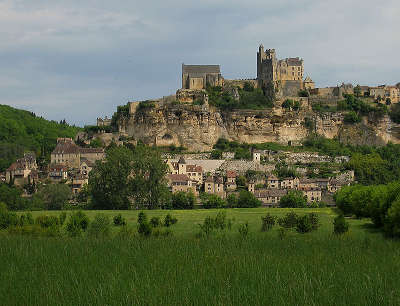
(285, 75)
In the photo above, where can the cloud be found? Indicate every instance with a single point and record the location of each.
(79, 60)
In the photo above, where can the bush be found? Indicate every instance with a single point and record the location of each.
(62, 217)
(220, 222)
(244, 229)
(212, 201)
(268, 222)
(169, 220)
(157, 232)
(183, 200)
(232, 200)
(392, 221)
(47, 221)
(289, 220)
(351, 117)
(118, 220)
(26, 219)
(304, 225)
(314, 220)
(144, 229)
(340, 226)
(100, 226)
(155, 222)
(77, 223)
(247, 199)
(7, 218)
(294, 199)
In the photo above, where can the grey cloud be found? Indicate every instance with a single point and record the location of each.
(79, 60)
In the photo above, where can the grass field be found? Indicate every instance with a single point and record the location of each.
(318, 268)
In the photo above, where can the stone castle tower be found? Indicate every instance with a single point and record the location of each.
(286, 75)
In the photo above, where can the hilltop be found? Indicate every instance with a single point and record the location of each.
(22, 131)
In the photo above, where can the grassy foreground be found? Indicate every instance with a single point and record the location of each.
(360, 268)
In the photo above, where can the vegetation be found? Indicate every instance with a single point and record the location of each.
(250, 98)
(395, 113)
(183, 200)
(381, 203)
(127, 174)
(294, 199)
(22, 131)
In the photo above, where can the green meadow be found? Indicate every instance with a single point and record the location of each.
(263, 268)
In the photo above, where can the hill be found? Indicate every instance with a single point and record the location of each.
(22, 131)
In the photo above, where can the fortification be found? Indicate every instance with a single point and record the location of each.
(285, 75)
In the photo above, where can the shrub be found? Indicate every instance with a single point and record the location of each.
(289, 220)
(7, 218)
(183, 200)
(100, 226)
(26, 219)
(47, 221)
(157, 232)
(268, 222)
(208, 226)
(212, 201)
(314, 220)
(77, 223)
(142, 217)
(304, 225)
(118, 220)
(340, 226)
(232, 200)
(155, 222)
(244, 229)
(247, 199)
(62, 217)
(144, 229)
(351, 117)
(282, 233)
(392, 221)
(169, 220)
(294, 199)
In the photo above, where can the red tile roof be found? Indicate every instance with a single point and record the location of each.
(178, 177)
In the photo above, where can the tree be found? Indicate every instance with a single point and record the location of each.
(183, 200)
(232, 200)
(148, 183)
(340, 226)
(294, 199)
(357, 90)
(109, 180)
(212, 201)
(241, 181)
(55, 196)
(247, 199)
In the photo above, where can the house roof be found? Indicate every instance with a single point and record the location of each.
(178, 177)
(181, 160)
(87, 162)
(91, 150)
(272, 177)
(294, 61)
(210, 179)
(269, 193)
(194, 168)
(66, 147)
(231, 173)
(58, 168)
(308, 80)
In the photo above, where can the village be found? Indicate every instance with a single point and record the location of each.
(71, 164)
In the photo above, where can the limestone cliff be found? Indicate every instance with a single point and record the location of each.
(199, 127)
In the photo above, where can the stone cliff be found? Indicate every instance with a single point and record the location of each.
(199, 127)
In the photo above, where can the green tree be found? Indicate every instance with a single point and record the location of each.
(109, 180)
(212, 201)
(55, 196)
(247, 199)
(294, 199)
(357, 90)
(148, 182)
(183, 200)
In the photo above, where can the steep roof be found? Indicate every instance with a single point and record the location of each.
(66, 148)
(201, 69)
(181, 160)
(308, 80)
(231, 173)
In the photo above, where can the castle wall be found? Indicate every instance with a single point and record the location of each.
(291, 88)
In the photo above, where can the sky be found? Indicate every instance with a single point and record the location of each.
(78, 60)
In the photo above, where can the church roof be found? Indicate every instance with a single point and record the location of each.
(201, 69)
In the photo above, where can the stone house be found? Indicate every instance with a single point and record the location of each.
(334, 185)
(78, 182)
(307, 183)
(289, 183)
(312, 194)
(23, 170)
(322, 183)
(383, 92)
(231, 180)
(270, 197)
(273, 182)
(194, 172)
(58, 173)
(181, 182)
(215, 185)
(67, 153)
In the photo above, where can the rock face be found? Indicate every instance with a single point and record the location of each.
(198, 128)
